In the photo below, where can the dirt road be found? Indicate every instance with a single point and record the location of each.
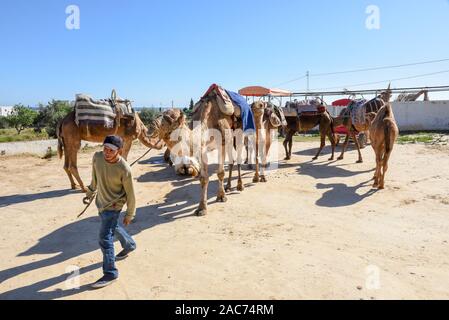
(316, 230)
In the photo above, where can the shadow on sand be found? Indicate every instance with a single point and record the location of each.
(22, 198)
(80, 237)
(340, 194)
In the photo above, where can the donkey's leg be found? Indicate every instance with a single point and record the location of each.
(221, 195)
(204, 180)
(345, 145)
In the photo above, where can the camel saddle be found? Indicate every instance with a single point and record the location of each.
(230, 104)
(105, 112)
(307, 107)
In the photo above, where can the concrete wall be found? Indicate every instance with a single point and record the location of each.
(33, 147)
(417, 116)
(422, 115)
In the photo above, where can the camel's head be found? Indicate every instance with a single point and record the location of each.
(166, 124)
(386, 95)
(258, 108)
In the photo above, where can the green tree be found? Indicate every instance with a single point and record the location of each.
(4, 123)
(192, 104)
(21, 117)
(50, 115)
(147, 115)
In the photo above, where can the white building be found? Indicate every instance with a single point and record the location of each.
(5, 111)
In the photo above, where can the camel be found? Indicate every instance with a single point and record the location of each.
(353, 129)
(404, 97)
(211, 129)
(70, 136)
(383, 134)
(304, 123)
(268, 119)
(171, 128)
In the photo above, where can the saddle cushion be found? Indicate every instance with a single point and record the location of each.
(100, 112)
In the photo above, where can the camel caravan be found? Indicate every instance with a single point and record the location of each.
(225, 125)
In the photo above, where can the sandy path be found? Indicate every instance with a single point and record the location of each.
(310, 232)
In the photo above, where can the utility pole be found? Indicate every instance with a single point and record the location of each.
(308, 82)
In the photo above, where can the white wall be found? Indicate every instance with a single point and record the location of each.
(422, 115)
(416, 116)
(5, 111)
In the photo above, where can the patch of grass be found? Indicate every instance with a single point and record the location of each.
(304, 138)
(10, 135)
(416, 138)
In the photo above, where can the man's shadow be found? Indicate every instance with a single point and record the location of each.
(81, 237)
(22, 198)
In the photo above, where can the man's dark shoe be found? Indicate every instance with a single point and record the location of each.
(123, 255)
(103, 282)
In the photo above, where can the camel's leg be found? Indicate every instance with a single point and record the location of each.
(322, 143)
(67, 169)
(229, 184)
(256, 178)
(221, 195)
(331, 137)
(126, 148)
(384, 162)
(345, 145)
(204, 180)
(267, 148)
(378, 167)
(356, 141)
(246, 142)
(290, 145)
(240, 141)
(73, 167)
(240, 186)
(167, 157)
(264, 154)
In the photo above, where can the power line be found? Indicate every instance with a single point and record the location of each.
(363, 70)
(379, 68)
(383, 81)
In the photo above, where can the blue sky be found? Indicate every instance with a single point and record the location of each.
(157, 51)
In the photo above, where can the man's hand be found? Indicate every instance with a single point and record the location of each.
(127, 221)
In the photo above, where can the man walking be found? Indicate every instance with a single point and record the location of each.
(112, 181)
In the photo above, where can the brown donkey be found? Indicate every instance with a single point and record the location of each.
(383, 134)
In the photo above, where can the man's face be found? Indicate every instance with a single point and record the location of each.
(109, 154)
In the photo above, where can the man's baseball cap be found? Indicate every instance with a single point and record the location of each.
(113, 142)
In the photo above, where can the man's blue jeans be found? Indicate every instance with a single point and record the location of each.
(110, 227)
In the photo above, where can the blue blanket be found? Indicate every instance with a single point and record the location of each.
(247, 113)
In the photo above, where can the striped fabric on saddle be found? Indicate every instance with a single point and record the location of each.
(106, 112)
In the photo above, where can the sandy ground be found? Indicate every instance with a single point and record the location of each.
(316, 230)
